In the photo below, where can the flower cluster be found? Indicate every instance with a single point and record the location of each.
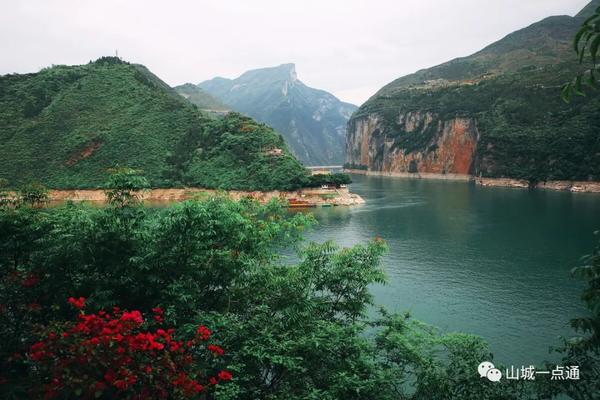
(77, 303)
(112, 355)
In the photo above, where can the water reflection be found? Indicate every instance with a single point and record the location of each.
(489, 261)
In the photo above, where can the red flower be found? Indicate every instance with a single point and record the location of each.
(37, 351)
(134, 316)
(225, 375)
(77, 303)
(110, 376)
(158, 310)
(131, 379)
(30, 280)
(203, 332)
(196, 387)
(120, 384)
(216, 350)
(143, 362)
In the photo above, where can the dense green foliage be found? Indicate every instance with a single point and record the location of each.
(586, 44)
(511, 89)
(66, 126)
(290, 331)
(330, 179)
(526, 130)
(233, 153)
(584, 349)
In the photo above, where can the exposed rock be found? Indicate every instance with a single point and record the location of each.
(312, 121)
(494, 114)
(445, 146)
(312, 197)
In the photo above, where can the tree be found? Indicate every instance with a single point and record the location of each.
(125, 187)
(33, 195)
(293, 331)
(584, 350)
(586, 44)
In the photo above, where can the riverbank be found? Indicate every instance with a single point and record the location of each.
(571, 186)
(298, 198)
(410, 175)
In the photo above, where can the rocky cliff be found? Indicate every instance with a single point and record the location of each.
(448, 146)
(497, 113)
(312, 121)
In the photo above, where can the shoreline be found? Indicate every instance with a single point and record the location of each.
(411, 175)
(315, 197)
(565, 186)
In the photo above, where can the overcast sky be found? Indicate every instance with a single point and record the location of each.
(348, 47)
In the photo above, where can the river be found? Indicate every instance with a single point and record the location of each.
(494, 262)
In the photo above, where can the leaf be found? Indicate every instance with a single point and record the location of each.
(566, 92)
(591, 80)
(594, 47)
(577, 38)
(578, 86)
(581, 52)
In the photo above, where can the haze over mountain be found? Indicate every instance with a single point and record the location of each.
(496, 113)
(312, 121)
(67, 125)
(200, 97)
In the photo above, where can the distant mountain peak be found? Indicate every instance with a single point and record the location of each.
(283, 72)
(312, 121)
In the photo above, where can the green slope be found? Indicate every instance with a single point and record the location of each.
(66, 125)
(511, 89)
(312, 121)
(201, 98)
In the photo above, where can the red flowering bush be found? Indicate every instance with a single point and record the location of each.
(115, 355)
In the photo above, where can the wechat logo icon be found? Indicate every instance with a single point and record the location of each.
(487, 370)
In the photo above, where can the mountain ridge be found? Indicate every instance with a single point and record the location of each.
(496, 113)
(312, 121)
(66, 126)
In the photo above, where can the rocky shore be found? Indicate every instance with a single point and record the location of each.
(299, 198)
(416, 175)
(571, 186)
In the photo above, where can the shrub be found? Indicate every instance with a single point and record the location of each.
(118, 354)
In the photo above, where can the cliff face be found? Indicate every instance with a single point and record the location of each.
(497, 113)
(447, 146)
(312, 121)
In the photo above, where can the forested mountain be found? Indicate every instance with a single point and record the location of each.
(65, 126)
(496, 113)
(312, 121)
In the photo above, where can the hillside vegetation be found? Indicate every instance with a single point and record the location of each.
(65, 126)
(312, 121)
(512, 91)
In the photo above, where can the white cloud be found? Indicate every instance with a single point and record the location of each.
(348, 47)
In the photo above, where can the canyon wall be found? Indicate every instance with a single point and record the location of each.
(420, 142)
(495, 114)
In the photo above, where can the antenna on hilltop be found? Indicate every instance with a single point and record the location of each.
(117, 53)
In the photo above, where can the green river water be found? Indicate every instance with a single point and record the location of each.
(489, 261)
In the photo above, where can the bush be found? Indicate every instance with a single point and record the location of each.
(329, 179)
(293, 332)
(115, 355)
